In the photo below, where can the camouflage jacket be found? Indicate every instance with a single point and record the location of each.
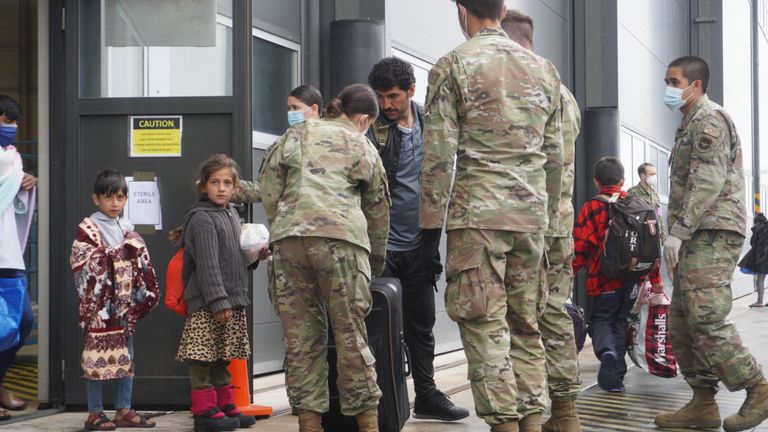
(323, 178)
(651, 197)
(494, 107)
(571, 125)
(707, 174)
(249, 192)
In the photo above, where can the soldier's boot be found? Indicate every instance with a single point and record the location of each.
(309, 421)
(700, 413)
(753, 412)
(530, 423)
(368, 421)
(564, 417)
(506, 427)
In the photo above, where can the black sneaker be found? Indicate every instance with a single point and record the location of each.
(606, 376)
(438, 407)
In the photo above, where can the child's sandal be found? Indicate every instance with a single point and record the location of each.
(126, 420)
(4, 415)
(99, 422)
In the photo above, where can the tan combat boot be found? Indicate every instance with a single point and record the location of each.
(700, 413)
(530, 423)
(506, 427)
(368, 421)
(309, 421)
(564, 417)
(752, 412)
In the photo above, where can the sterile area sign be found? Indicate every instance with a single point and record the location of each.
(143, 206)
(155, 136)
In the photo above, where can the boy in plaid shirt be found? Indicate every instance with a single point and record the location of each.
(612, 299)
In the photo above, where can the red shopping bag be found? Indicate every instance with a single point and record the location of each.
(650, 346)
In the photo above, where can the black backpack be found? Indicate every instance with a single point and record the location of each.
(631, 248)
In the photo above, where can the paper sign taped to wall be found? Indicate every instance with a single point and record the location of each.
(155, 136)
(143, 205)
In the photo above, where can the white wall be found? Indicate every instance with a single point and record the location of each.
(652, 33)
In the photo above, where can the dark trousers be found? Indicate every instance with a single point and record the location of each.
(418, 316)
(608, 323)
(25, 327)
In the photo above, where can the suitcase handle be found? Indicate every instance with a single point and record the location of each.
(406, 359)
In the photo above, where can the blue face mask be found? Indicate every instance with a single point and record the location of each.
(7, 134)
(673, 98)
(295, 117)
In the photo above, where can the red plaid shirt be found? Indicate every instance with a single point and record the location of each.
(588, 238)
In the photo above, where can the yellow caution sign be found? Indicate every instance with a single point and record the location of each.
(155, 136)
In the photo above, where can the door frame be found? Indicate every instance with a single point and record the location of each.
(66, 109)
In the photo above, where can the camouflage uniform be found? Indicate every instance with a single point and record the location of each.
(555, 324)
(325, 194)
(651, 197)
(708, 213)
(494, 107)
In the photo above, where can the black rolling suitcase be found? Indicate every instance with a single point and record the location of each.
(385, 337)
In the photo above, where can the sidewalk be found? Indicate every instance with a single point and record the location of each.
(600, 411)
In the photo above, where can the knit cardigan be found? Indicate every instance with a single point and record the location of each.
(214, 268)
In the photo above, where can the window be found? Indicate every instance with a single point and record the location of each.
(275, 74)
(149, 49)
(420, 70)
(635, 150)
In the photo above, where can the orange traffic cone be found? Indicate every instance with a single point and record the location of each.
(240, 381)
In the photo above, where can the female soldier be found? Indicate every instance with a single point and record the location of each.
(325, 193)
(304, 103)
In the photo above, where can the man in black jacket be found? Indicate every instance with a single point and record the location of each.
(411, 253)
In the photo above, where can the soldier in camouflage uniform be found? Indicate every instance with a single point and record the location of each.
(646, 190)
(494, 107)
(325, 193)
(707, 223)
(555, 324)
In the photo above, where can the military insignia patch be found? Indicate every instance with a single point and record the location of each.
(712, 131)
(704, 145)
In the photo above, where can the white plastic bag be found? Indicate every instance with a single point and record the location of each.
(254, 238)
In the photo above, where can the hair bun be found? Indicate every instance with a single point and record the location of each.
(334, 109)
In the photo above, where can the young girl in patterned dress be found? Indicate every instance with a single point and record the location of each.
(216, 291)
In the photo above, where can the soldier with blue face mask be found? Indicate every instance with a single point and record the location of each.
(304, 103)
(707, 225)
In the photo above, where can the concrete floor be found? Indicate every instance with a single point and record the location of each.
(633, 411)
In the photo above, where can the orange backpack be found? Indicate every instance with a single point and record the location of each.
(174, 285)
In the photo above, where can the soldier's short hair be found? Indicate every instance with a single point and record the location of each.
(391, 72)
(518, 26)
(484, 9)
(694, 69)
(643, 168)
(609, 171)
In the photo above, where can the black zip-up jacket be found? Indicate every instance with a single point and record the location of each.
(387, 137)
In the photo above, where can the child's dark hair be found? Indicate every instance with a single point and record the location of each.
(9, 108)
(609, 171)
(211, 165)
(354, 99)
(110, 182)
(308, 95)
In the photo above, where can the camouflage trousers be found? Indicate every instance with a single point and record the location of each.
(707, 346)
(321, 282)
(492, 294)
(556, 325)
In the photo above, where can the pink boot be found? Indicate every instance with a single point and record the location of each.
(208, 417)
(226, 403)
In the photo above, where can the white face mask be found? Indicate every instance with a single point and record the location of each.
(652, 181)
